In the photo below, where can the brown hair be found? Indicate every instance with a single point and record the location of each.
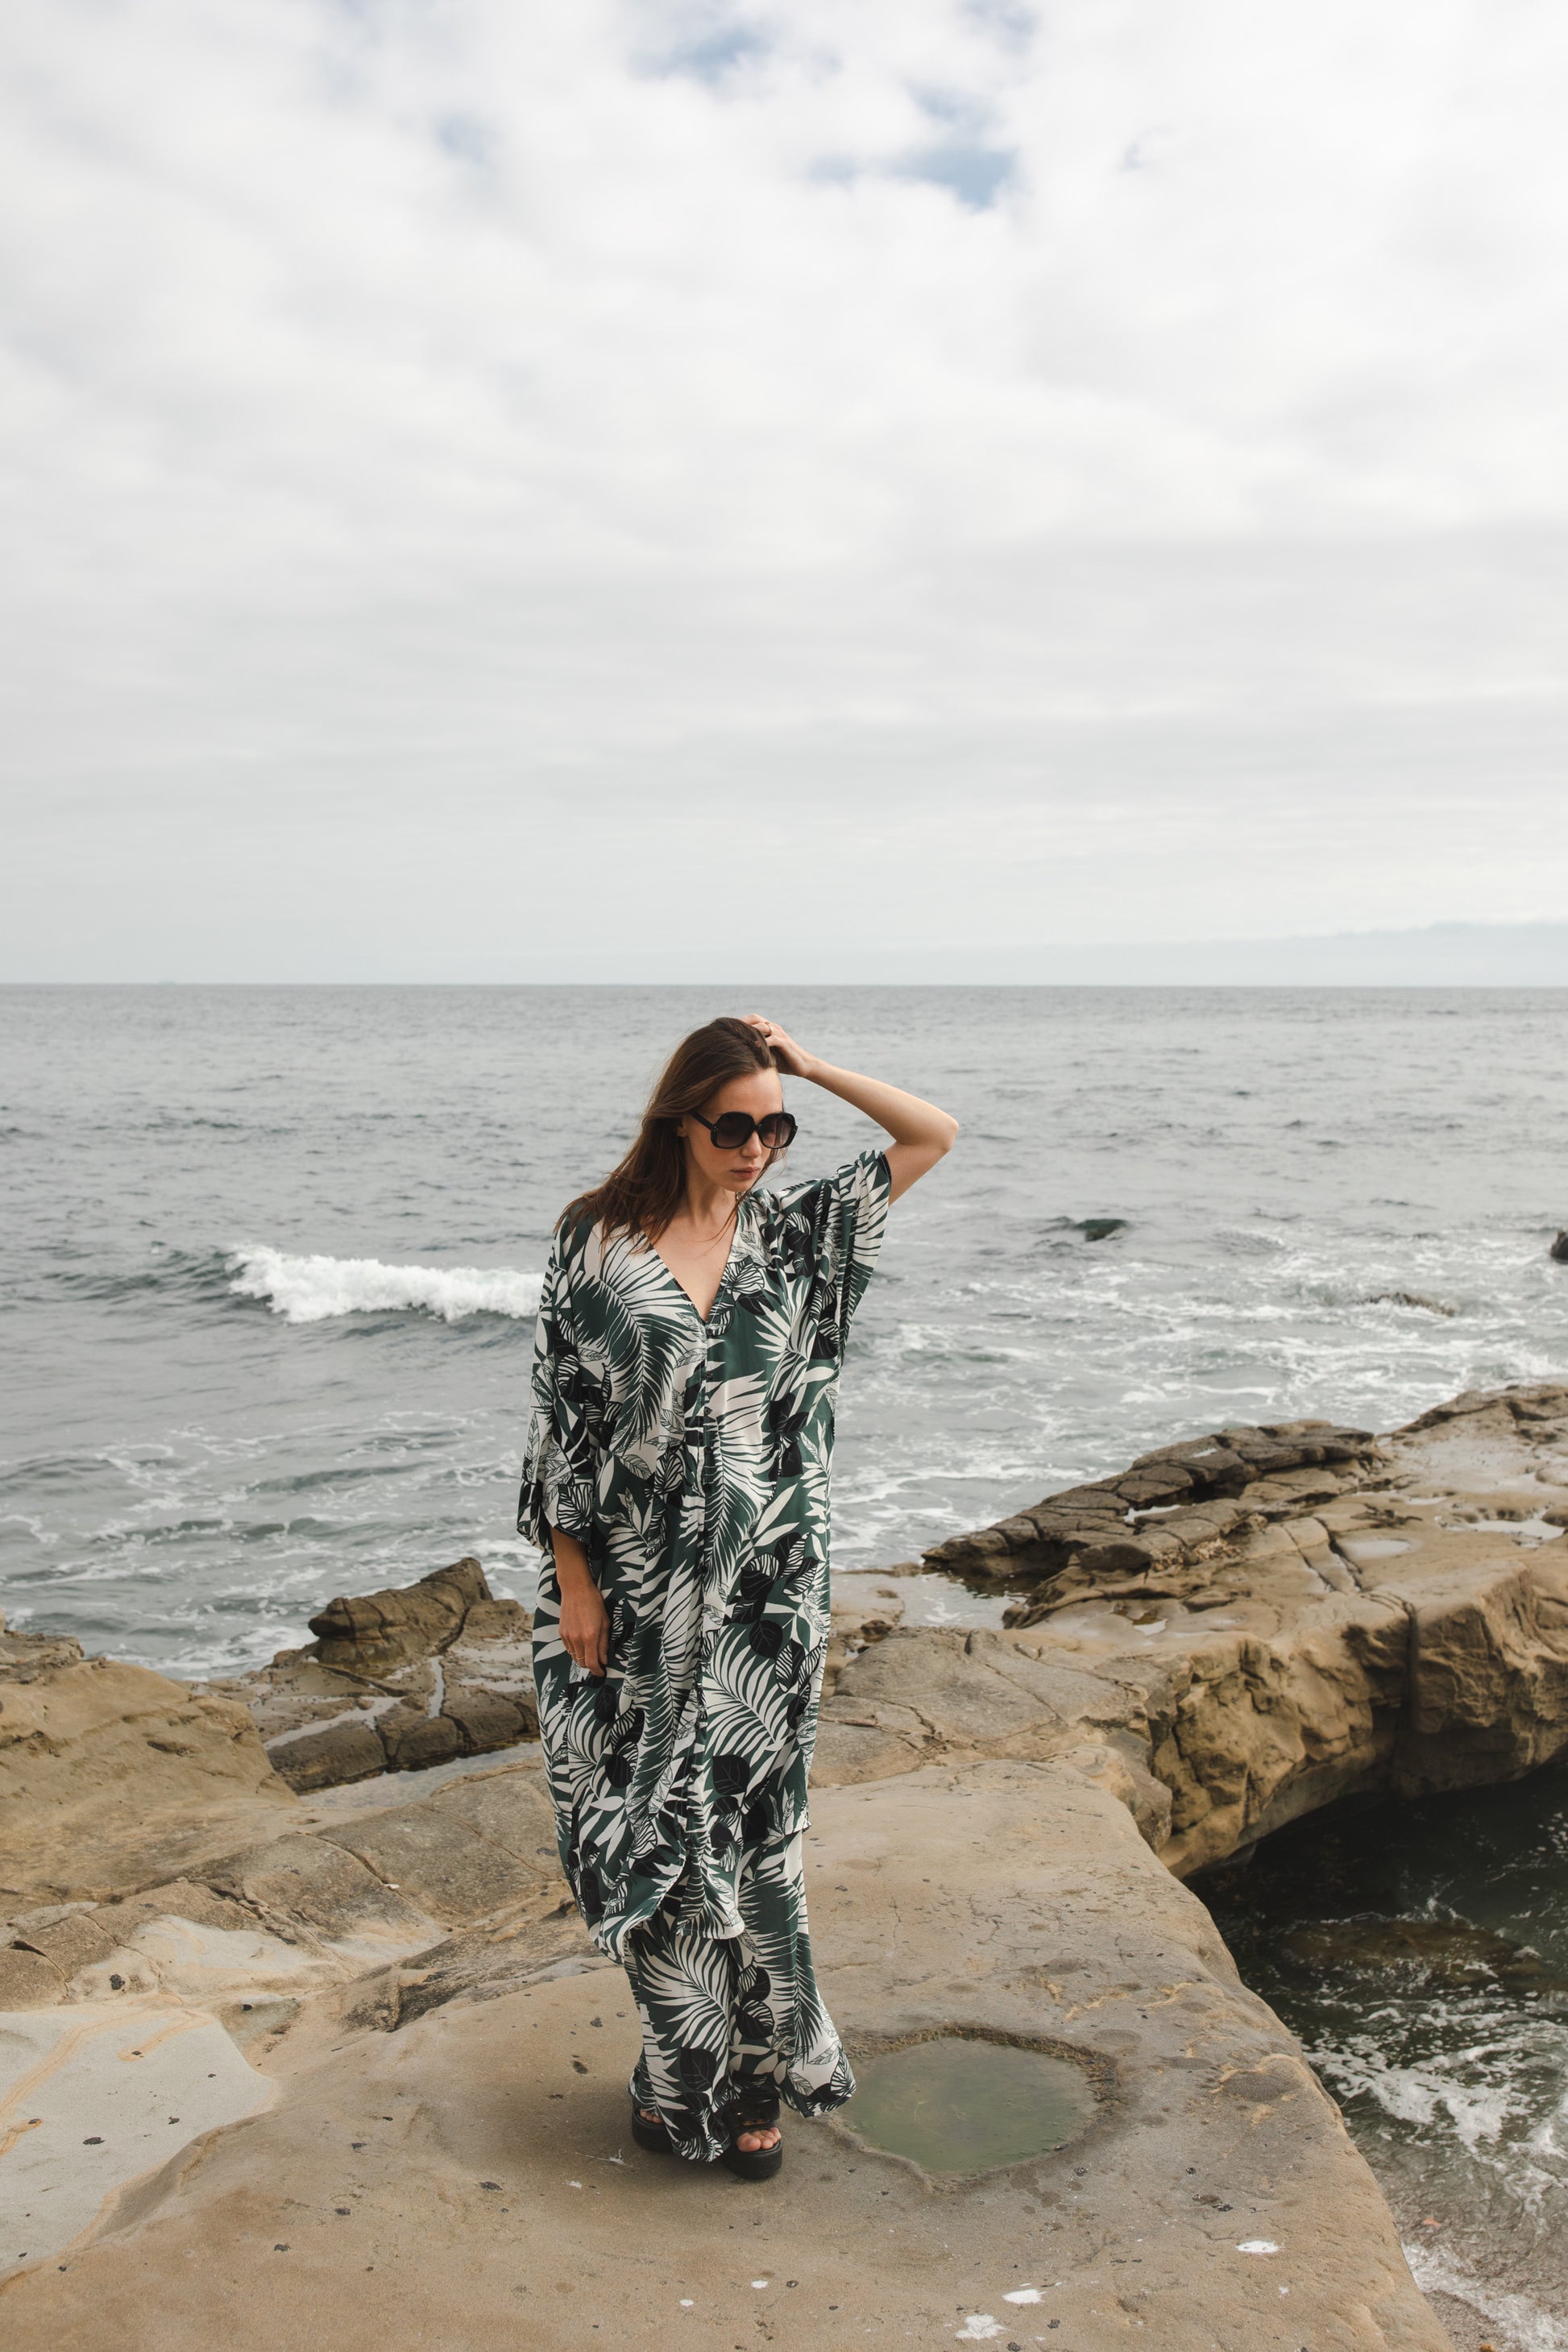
(643, 1193)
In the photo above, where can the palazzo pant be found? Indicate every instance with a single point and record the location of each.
(721, 2011)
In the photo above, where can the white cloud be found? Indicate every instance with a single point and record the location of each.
(1070, 475)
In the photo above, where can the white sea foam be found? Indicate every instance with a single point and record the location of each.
(1420, 2094)
(315, 1289)
(1529, 2327)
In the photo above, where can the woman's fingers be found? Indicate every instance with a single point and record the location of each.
(786, 1053)
(584, 1628)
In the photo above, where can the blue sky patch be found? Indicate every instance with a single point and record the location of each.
(710, 56)
(976, 175)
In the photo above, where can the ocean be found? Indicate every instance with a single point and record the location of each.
(1445, 2044)
(270, 1257)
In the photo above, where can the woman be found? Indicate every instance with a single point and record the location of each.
(689, 1338)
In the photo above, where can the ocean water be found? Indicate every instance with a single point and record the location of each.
(1449, 2057)
(267, 1273)
(271, 1258)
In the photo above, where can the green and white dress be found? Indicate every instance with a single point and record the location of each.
(692, 1461)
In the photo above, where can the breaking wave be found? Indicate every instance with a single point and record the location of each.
(315, 1289)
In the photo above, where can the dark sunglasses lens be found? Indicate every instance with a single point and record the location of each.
(735, 1130)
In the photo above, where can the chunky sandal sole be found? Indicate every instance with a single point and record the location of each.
(754, 2163)
(648, 2134)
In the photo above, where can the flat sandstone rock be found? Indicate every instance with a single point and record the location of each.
(469, 2178)
(113, 1778)
(1242, 1628)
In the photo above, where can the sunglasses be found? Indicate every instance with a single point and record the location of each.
(735, 1129)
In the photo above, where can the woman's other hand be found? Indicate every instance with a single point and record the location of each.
(585, 1621)
(789, 1056)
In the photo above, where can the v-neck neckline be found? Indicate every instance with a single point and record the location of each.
(674, 1279)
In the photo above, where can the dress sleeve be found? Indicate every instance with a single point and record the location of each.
(560, 1463)
(843, 1218)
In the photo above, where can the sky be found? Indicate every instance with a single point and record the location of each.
(620, 489)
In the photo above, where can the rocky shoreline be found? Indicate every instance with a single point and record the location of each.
(396, 1682)
(1244, 1628)
(301, 2035)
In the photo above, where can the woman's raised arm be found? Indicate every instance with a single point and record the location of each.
(921, 1134)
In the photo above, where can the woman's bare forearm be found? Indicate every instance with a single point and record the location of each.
(585, 1622)
(570, 1560)
(920, 1132)
(907, 1119)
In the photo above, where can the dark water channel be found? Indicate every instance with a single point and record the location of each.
(1420, 1953)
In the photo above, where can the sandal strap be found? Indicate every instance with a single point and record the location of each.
(754, 2110)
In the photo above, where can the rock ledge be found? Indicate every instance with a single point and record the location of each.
(419, 2129)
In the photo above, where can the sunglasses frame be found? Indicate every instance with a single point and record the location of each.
(753, 1127)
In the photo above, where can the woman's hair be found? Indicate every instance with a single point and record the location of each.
(645, 1191)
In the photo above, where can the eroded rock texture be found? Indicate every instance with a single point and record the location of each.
(107, 1770)
(395, 1681)
(1359, 1615)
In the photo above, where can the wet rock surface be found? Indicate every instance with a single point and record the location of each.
(1441, 1953)
(421, 2129)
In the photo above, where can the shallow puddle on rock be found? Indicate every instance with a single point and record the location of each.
(956, 2105)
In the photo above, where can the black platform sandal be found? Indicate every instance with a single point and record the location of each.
(755, 2110)
(649, 2133)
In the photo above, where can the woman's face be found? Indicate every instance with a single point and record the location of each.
(758, 1093)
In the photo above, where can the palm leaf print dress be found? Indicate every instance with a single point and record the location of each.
(692, 1461)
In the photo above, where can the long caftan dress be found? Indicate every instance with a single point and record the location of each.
(692, 1461)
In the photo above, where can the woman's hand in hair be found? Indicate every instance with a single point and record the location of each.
(786, 1053)
(921, 1134)
(585, 1620)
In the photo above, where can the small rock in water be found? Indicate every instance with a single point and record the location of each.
(1558, 1249)
(1099, 1229)
(1445, 1951)
(1410, 1298)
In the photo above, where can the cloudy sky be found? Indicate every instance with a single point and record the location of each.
(523, 488)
